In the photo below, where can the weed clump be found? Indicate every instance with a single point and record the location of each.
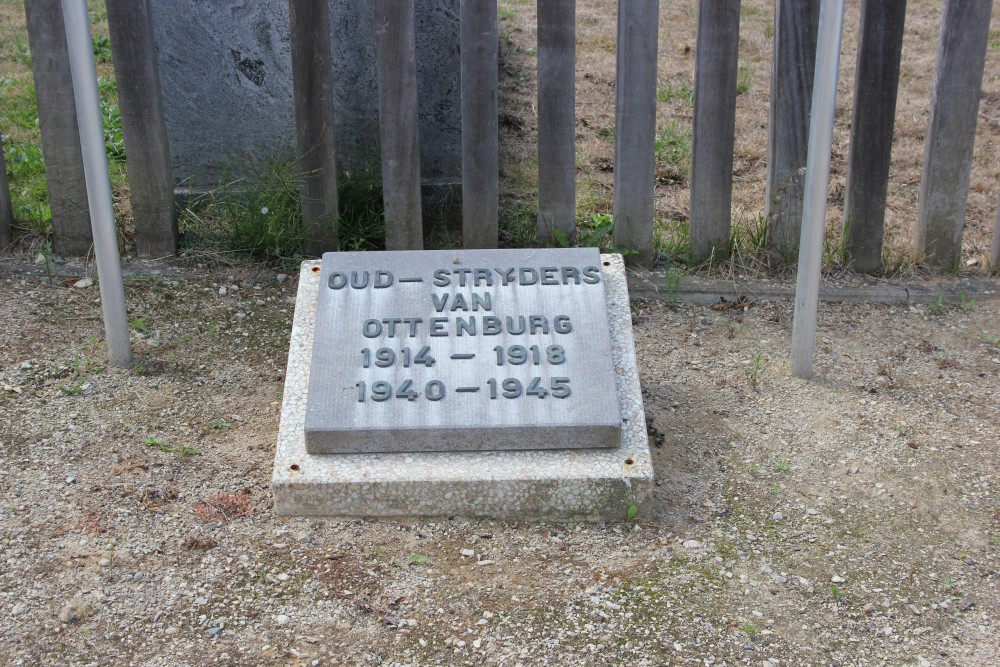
(362, 212)
(673, 148)
(257, 217)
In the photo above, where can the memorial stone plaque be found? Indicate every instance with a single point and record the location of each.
(461, 350)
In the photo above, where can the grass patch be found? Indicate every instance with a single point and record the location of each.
(754, 370)
(745, 251)
(256, 217)
(114, 139)
(743, 77)
(605, 43)
(594, 197)
(98, 13)
(673, 147)
(673, 239)
(749, 237)
(967, 303)
(681, 92)
(102, 47)
(14, 44)
(835, 252)
(607, 133)
(19, 115)
(897, 261)
(362, 212)
(29, 192)
(597, 231)
(594, 231)
(990, 339)
(518, 224)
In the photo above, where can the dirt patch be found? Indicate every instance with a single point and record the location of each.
(848, 520)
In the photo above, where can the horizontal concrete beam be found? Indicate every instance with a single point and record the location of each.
(641, 284)
(694, 289)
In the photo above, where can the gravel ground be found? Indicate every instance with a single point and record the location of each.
(850, 520)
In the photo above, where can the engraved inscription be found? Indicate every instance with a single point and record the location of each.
(516, 355)
(385, 357)
(414, 351)
(530, 325)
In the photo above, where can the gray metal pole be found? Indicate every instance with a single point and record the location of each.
(831, 26)
(95, 169)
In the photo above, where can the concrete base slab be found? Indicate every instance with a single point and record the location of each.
(553, 485)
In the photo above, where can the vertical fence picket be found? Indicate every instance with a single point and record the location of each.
(717, 53)
(395, 46)
(312, 84)
(792, 67)
(635, 125)
(995, 250)
(60, 134)
(951, 132)
(876, 80)
(6, 209)
(137, 74)
(480, 131)
(556, 118)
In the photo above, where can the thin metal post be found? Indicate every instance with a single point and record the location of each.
(95, 169)
(824, 97)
